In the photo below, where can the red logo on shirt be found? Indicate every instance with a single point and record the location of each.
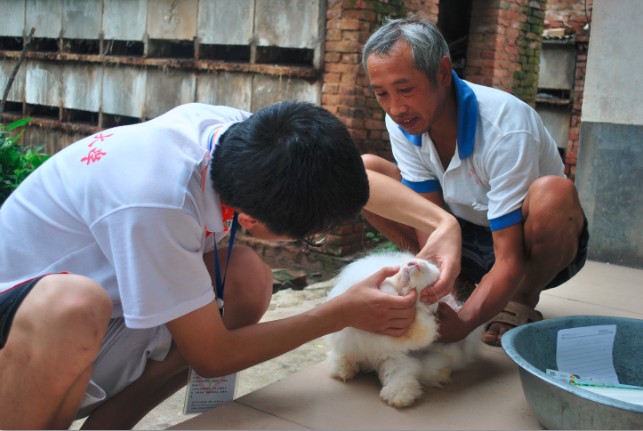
(99, 138)
(95, 154)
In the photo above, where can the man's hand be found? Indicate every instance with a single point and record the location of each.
(393, 201)
(369, 309)
(443, 247)
(451, 327)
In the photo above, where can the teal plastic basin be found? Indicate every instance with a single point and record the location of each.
(559, 405)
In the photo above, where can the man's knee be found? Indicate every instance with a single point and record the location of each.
(552, 203)
(75, 297)
(552, 194)
(553, 218)
(54, 337)
(65, 307)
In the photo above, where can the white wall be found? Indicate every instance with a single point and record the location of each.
(613, 84)
(610, 162)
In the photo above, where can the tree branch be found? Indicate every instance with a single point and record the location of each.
(15, 70)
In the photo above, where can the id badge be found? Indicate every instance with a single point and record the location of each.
(204, 394)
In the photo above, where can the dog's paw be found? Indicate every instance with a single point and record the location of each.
(438, 378)
(436, 369)
(401, 396)
(342, 369)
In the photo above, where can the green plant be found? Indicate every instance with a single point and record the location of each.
(16, 161)
(377, 240)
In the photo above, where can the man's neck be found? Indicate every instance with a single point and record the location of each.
(444, 132)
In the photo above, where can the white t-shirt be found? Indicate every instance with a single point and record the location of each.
(502, 147)
(129, 207)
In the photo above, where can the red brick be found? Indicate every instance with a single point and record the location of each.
(332, 57)
(353, 59)
(334, 34)
(329, 88)
(350, 23)
(330, 77)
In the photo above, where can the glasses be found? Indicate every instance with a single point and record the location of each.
(315, 240)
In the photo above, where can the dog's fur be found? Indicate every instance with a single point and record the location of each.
(404, 364)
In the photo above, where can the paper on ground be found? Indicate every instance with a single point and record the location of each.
(587, 351)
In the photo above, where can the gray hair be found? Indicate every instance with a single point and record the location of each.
(427, 43)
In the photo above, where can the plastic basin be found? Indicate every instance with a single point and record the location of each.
(559, 405)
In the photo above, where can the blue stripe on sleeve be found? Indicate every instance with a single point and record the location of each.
(506, 220)
(423, 186)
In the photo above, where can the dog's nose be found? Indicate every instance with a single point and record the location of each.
(412, 266)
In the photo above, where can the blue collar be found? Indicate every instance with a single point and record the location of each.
(467, 119)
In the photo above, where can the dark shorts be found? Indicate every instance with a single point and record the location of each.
(478, 256)
(10, 300)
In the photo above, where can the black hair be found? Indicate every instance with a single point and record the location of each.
(294, 167)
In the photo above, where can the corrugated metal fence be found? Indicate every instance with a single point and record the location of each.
(94, 64)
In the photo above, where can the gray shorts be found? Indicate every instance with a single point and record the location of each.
(122, 357)
(121, 361)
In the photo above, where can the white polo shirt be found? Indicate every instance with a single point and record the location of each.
(502, 147)
(132, 208)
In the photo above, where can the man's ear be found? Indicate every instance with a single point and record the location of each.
(444, 72)
(247, 222)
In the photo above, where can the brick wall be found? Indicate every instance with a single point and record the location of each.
(427, 9)
(569, 14)
(504, 49)
(504, 45)
(525, 85)
(577, 104)
(573, 16)
(492, 52)
(344, 89)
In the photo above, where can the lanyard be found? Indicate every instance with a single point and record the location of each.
(217, 270)
(220, 283)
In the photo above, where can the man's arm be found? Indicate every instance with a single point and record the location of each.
(495, 289)
(394, 201)
(213, 350)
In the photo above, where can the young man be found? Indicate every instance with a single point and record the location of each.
(108, 258)
(486, 157)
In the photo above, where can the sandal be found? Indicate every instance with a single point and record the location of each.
(514, 314)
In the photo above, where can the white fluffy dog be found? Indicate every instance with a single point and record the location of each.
(404, 364)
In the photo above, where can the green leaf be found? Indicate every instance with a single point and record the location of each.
(16, 161)
(19, 123)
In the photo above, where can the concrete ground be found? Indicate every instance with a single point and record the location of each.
(294, 390)
(486, 395)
